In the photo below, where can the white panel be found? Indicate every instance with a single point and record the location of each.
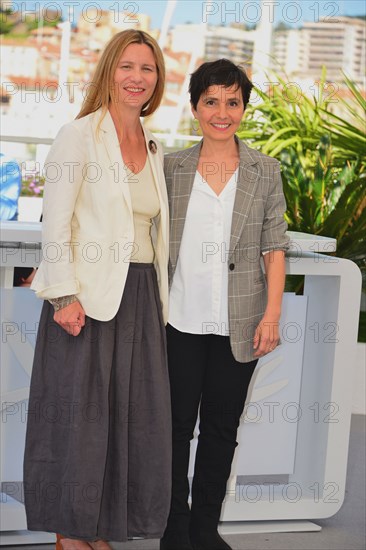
(268, 431)
(20, 311)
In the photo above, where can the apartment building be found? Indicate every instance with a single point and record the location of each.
(213, 42)
(233, 43)
(339, 44)
(96, 27)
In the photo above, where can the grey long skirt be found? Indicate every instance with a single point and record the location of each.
(98, 449)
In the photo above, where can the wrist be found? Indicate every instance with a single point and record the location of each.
(62, 301)
(272, 315)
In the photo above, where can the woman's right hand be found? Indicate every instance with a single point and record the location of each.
(71, 318)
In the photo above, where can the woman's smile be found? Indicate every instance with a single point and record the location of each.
(134, 90)
(220, 126)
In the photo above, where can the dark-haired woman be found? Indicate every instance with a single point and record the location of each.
(98, 450)
(227, 211)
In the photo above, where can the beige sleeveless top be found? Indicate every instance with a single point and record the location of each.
(145, 206)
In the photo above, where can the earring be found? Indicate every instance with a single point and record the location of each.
(195, 128)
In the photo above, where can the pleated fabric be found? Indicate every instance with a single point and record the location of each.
(98, 447)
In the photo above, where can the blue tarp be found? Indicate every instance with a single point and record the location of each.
(11, 184)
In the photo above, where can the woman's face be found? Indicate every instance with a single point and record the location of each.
(219, 112)
(136, 76)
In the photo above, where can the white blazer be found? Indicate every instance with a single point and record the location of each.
(88, 230)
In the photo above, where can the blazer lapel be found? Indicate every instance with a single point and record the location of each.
(156, 164)
(248, 178)
(110, 139)
(181, 187)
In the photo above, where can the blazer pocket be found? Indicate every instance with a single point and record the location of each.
(260, 281)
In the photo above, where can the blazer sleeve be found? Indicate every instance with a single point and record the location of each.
(63, 172)
(274, 228)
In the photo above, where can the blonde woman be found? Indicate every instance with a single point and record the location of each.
(99, 399)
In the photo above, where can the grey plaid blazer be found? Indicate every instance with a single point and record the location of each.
(257, 226)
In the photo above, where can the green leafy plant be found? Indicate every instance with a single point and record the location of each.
(323, 159)
(33, 23)
(6, 24)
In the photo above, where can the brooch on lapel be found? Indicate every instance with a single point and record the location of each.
(152, 146)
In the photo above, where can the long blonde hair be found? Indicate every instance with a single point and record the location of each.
(99, 93)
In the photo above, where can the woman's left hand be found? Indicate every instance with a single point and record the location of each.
(266, 337)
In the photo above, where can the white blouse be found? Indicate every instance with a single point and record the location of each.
(198, 302)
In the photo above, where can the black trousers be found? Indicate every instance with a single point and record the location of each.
(204, 376)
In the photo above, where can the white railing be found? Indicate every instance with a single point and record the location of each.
(48, 141)
(27, 139)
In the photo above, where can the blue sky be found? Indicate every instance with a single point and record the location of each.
(219, 12)
(232, 11)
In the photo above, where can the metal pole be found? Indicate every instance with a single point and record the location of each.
(184, 99)
(169, 10)
(263, 44)
(64, 57)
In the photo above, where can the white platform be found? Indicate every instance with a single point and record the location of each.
(253, 527)
(302, 468)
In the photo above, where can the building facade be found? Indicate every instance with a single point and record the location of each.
(339, 44)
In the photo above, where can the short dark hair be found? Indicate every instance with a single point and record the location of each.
(220, 73)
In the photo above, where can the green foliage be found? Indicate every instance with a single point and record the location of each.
(33, 23)
(362, 327)
(323, 159)
(6, 25)
(9, 25)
